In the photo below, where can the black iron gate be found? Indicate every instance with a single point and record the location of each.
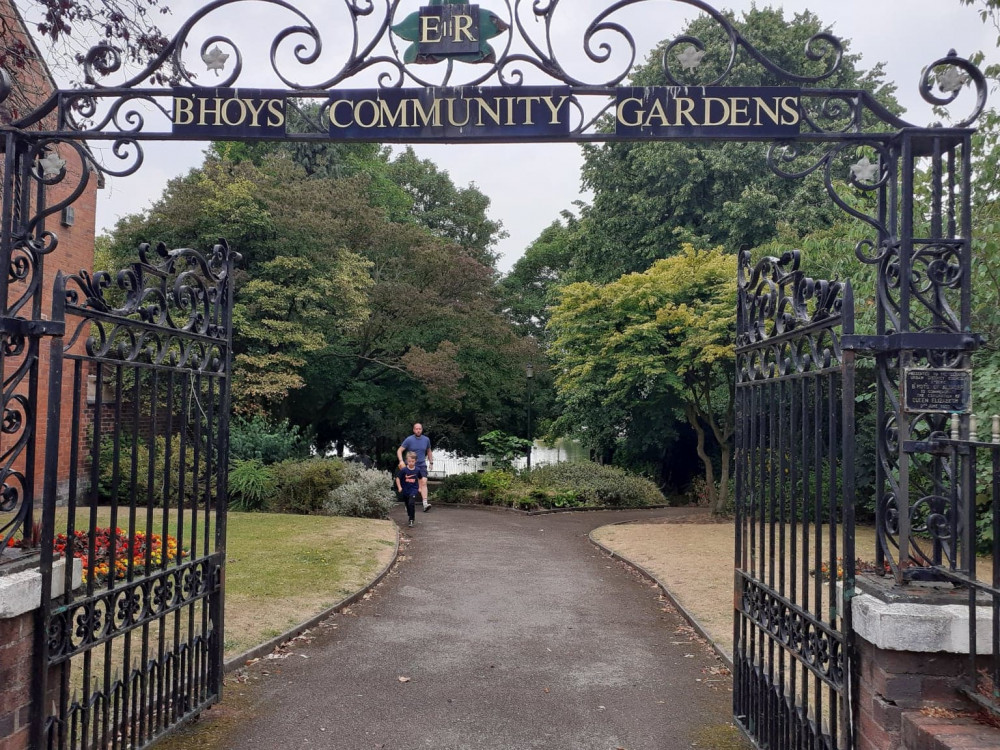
(794, 504)
(140, 433)
(132, 642)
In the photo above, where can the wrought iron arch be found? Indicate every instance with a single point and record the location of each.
(921, 253)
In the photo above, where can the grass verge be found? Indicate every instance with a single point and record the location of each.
(281, 570)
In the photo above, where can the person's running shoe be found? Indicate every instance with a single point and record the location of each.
(411, 524)
(427, 507)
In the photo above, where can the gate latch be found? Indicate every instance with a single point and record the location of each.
(31, 328)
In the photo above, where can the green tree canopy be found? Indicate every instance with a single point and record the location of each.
(352, 315)
(651, 198)
(528, 290)
(648, 346)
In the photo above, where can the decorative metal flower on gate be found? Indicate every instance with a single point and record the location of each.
(449, 30)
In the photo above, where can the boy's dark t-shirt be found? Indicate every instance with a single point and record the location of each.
(409, 480)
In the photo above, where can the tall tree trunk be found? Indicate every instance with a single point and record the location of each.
(719, 506)
(692, 417)
(664, 469)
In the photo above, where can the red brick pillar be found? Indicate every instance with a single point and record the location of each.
(913, 651)
(17, 636)
(20, 599)
(892, 682)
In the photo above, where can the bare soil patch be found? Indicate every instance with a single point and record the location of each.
(692, 555)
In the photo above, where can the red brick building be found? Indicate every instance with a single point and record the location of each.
(74, 227)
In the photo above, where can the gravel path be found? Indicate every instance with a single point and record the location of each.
(496, 631)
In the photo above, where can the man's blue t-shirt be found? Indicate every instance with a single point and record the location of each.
(420, 446)
(409, 480)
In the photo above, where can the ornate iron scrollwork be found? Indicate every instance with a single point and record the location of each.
(78, 627)
(168, 308)
(776, 299)
(123, 106)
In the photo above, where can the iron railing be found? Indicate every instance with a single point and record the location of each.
(135, 647)
(948, 541)
(794, 507)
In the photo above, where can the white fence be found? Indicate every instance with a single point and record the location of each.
(448, 464)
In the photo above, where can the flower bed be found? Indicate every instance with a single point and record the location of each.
(111, 548)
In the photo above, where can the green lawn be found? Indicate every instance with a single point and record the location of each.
(281, 569)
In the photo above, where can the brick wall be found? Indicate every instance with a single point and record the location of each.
(16, 649)
(893, 688)
(943, 732)
(74, 251)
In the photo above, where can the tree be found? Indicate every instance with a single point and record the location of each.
(528, 290)
(301, 284)
(987, 12)
(648, 345)
(352, 318)
(453, 213)
(409, 189)
(68, 29)
(651, 198)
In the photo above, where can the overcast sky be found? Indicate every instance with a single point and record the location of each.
(529, 185)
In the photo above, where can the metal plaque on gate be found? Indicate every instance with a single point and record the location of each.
(937, 389)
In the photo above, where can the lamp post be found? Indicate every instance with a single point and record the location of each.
(529, 374)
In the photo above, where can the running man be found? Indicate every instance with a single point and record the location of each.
(421, 445)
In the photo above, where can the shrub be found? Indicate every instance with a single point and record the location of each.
(494, 486)
(107, 490)
(524, 503)
(459, 488)
(594, 484)
(503, 448)
(303, 486)
(565, 499)
(260, 439)
(366, 493)
(566, 485)
(251, 485)
(194, 486)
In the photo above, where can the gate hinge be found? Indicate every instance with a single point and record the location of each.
(29, 328)
(894, 342)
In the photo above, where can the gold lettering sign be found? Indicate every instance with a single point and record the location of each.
(420, 110)
(430, 30)
(708, 112)
(529, 112)
(219, 112)
(442, 31)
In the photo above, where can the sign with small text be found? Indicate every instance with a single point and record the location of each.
(939, 389)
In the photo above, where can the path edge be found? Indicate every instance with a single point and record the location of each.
(691, 619)
(255, 652)
(545, 511)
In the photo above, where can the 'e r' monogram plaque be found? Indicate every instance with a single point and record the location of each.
(449, 30)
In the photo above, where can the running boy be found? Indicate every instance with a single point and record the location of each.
(408, 483)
